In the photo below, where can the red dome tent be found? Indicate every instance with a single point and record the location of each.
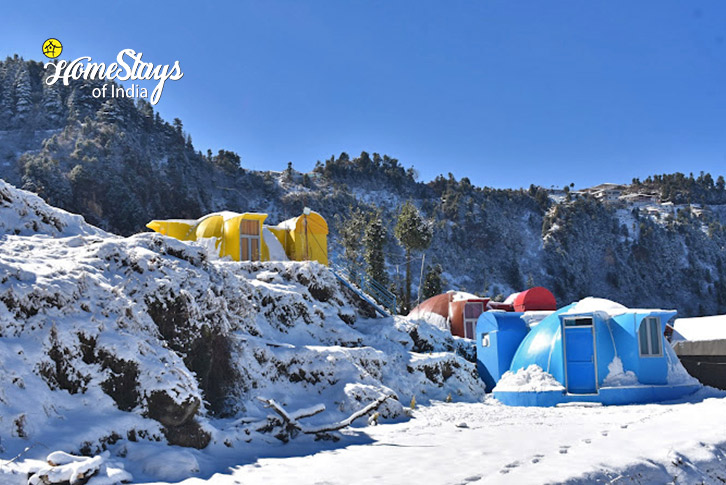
(456, 311)
(534, 299)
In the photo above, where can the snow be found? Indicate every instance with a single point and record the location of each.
(76, 322)
(277, 252)
(532, 318)
(61, 279)
(65, 468)
(701, 328)
(531, 379)
(24, 213)
(679, 442)
(593, 305)
(462, 295)
(168, 465)
(432, 318)
(677, 373)
(226, 215)
(617, 376)
(290, 224)
(607, 308)
(510, 299)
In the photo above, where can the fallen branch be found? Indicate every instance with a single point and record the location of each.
(27, 449)
(289, 425)
(307, 412)
(349, 420)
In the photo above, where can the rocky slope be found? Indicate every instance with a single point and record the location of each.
(107, 340)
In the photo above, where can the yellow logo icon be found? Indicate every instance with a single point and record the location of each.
(52, 48)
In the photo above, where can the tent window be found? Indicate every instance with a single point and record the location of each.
(249, 240)
(578, 322)
(469, 326)
(485, 340)
(472, 310)
(649, 337)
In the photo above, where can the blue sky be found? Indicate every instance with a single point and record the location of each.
(507, 93)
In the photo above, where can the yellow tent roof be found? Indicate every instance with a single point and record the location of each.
(316, 224)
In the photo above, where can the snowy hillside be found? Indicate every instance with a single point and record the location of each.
(120, 343)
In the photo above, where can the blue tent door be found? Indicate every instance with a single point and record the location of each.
(580, 356)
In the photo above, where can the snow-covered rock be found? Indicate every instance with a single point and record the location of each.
(62, 468)
(24, 213)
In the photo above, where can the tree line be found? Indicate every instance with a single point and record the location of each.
(363, 236)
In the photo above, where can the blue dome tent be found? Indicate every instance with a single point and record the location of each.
(498, 335)
(594, 351)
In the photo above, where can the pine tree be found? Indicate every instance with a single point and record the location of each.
(433, 283)
(7, 96)
(52, 104)
(374, 240)
(109, 112)
(23, 98)
(351, 235)
(227, 161)
(414, 233)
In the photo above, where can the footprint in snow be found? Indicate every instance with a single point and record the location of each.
(473, 478)
(587, 441)
(564, 448)
(508, 467)
(604, 433)
(537, 458)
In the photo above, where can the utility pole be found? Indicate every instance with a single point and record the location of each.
(306, 249)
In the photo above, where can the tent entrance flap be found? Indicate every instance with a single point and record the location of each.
(249, 240)
(580, 360)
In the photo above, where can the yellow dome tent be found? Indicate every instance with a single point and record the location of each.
(238, 236)
(242, 236)
(305, 238)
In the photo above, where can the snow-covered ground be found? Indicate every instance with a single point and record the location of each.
(458, 443)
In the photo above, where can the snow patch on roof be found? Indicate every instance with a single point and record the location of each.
(463, 295)
(702, 328)
(597, 305)
(290, 224)
(605, 307)
(533, 318)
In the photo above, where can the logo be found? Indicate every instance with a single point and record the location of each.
(52, 48)
(129, 66)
